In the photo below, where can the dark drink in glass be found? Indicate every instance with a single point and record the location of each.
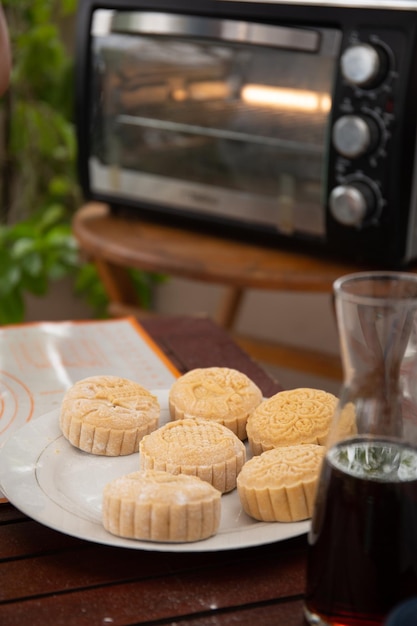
(363, 541)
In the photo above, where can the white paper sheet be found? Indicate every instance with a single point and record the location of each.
(40, 361)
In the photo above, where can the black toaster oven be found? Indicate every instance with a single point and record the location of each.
(291, 122)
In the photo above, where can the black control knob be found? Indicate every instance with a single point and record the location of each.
(355, 135)
(364, 65)
(352, 203)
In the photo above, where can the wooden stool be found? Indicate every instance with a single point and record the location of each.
(114, 244)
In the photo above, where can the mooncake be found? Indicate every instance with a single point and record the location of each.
(196, 447)
(292, 417)
(280, 485)
(221, 394)
(108, 415)
(159, 506)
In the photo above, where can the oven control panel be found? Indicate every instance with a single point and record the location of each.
(364, 117)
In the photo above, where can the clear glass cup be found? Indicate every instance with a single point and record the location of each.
(362, 557)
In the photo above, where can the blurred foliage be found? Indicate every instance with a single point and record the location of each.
(39, 168)
(39, 190)
(88, 284)
(32, 253)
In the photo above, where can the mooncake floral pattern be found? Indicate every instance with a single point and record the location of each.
(296, 416)
(192, 440)
(283, 466)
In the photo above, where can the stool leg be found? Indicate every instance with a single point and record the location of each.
(117, 283)
(229, 307)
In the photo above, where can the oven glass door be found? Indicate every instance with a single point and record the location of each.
(212, 116)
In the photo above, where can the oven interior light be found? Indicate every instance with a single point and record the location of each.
(281, 98)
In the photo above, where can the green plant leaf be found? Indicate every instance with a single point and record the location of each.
(32, 265)
(59, 186)
(88, 284)
(12, 308)
(10, 273)
(22, 247)
(36, 284)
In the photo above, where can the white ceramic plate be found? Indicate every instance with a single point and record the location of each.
(60, 486)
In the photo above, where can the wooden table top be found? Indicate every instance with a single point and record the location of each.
(178, 251)
(47, 577)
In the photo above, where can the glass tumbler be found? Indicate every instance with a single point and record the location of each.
(362, 557)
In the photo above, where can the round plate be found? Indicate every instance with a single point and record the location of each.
(56, 484)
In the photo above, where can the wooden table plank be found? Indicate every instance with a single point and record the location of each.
(87, 611)
(283, 613)
(86, 565)
(159, 585)
(29, 539)
(9, 513)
